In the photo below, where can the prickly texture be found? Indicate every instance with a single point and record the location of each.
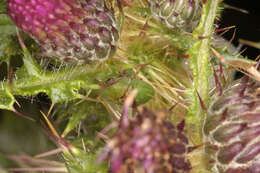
(183, 15)
(150, 144)
(70, 30)
(233, 128)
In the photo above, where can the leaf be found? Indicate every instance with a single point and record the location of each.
(60, 86)
(8, 48)
(82, 162)
(6, 25)
(94, 114)
(3, 6)
(6, 99)
(145, 91)
(58, 91)
(240, 63)
(7, 29)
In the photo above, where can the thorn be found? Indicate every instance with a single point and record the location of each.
(244, 82)
(10, 76)
(222, 72)
(23, 116)
(107, 128)
(181, 126)
(17, 103)
(224, 29)
(200, 37)
(128, 103)
(110, 84)
(173, 106)
(236, 8)
(181, 55)
(139, 70)
(233, 36)
(48, 153)
(258, 65)
(250, 43)
(20, 39)
(102, 136)
(218, 85)
(58, 139)
(190, 149)
(83, 145)
(53, 130)
(203, 106)
(49, 112)
(257, 58)
(142, 32)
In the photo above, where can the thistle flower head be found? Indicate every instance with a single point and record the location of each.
(149, 143)
(70, 30)
(233, 128)
(177, 14)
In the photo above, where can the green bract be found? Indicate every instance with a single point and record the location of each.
(233, 127)
(177, 14)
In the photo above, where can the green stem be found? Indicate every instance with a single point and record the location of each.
(200, 54)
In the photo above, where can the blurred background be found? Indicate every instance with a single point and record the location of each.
(247, 25)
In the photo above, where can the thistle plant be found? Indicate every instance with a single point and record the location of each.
(125, 86)
(232, 128)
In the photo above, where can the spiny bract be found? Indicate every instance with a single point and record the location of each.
(233, 128)
(70, 30)
(150, 144)
(177, 14)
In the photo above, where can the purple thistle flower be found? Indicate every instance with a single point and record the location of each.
(69, 30)
(148, 143)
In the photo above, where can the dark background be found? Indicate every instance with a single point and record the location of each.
(247, 25)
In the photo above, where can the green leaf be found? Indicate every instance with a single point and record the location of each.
(145, 91)
(60, 86)
(3, 6)
(6, 25)
(95, 115)
(58, 91)
(7, 29)
(8, 48)
(82, 162)
(6, 99)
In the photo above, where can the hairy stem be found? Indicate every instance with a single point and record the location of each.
(200, 54)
